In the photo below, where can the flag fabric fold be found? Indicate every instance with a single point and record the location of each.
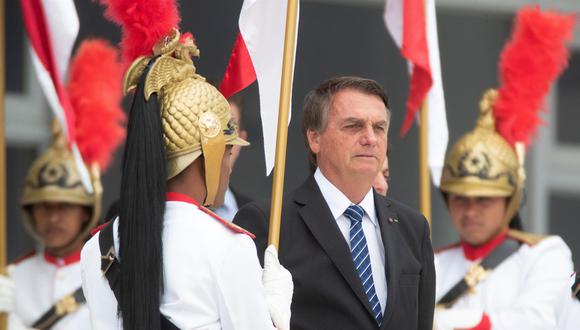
(257, 55)
(52, 27)
(413, 26)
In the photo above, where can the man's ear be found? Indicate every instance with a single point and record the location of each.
(313, 141)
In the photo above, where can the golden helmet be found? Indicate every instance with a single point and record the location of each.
(195, 116)
(482, 163)
(54, 177)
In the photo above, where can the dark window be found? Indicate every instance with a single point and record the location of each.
(18, 160)
(14, 51)
(569, 103)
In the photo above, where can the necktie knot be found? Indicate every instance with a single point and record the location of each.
(354, 213)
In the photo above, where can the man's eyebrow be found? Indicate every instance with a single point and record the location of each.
(352, 120)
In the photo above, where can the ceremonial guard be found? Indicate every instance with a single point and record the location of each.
(167, 262)
(43, 288)
(497, 277)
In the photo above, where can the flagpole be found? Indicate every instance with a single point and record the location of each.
(424, 180)
(282, 132)
(3, 316)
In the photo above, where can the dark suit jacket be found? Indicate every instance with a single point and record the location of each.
(328, 293)
(241, 199)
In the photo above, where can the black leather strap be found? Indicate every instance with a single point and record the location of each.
(112, 270)
(576, 286)
(496, 257)
(69, 304)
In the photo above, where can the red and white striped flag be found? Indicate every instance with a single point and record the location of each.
(413, 26)
(52, 27)
(258, 53)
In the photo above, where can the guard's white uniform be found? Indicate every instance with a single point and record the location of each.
(569, 309)
(212, 274)
(41, 281)
(521, 293)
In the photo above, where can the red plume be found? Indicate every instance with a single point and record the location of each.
(95, 93)
(530, 62)
(143, 23)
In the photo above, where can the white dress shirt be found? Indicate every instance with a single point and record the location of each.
(338, 203)
(230, 207)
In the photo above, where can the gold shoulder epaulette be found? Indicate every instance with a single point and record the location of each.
(526, 238)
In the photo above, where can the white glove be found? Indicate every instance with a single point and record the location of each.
(278, 287)
(7, 289)
(446, 319)
(14, 323)
(6, 293)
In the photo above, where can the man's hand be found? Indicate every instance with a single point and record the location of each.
(278, 288)
(446, 319)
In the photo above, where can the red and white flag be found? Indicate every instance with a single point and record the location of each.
(258, 53)
(413, 26)
(52, 27)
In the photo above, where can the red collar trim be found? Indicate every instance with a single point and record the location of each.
(60, 262)
(178, 197)
(479, 252)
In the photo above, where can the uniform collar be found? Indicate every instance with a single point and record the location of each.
(72, 258)
(473, 253)
(338, 202)
(178, 197)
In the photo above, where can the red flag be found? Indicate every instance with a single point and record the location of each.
(406, 22)
(240, 72)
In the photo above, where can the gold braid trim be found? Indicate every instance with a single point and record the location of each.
(526, 238)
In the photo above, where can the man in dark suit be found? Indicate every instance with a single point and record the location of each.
(358, 260)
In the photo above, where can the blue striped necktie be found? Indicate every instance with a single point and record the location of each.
(361, 258)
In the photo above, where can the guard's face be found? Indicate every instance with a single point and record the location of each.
(477, 219)
(58, 224)
(225, 172)
(354, 144)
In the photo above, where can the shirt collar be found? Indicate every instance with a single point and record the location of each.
(178, 197)
(338, 202)
(473, 253)
(72, 258)
(230, 200)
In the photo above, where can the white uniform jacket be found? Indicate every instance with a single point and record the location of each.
(212, 276)
(521, 293)
(41, 281)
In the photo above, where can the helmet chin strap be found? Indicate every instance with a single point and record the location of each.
(213, 153)
(514, 202)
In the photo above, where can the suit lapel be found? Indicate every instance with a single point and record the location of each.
(319, 220)
(390, 242)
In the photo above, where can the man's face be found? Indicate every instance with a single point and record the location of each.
(381, 183)
(477, 219)
(58, 224)
(225, 172)
(354, 143)
(241, 133)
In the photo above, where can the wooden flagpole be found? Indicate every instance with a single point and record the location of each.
(424, 178)
(3, 245)
(282, 132)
